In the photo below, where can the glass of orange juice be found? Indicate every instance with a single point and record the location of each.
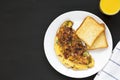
(110, 7)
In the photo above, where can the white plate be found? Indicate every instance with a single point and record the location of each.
(101, 56)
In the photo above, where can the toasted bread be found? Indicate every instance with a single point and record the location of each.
(100, 42)
(89, 30)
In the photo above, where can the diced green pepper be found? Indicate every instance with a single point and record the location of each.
(86, 54)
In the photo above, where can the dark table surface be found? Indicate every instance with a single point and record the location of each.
(23, 25)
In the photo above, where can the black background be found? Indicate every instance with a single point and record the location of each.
(22, 28)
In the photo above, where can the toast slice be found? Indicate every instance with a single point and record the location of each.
(89, 30)
(100, 42)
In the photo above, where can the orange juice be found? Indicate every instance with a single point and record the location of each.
(110, 7)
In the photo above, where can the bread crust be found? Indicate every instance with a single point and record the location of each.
(101, 36)
(94, 37)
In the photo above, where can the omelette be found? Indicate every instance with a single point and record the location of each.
(70, 50)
